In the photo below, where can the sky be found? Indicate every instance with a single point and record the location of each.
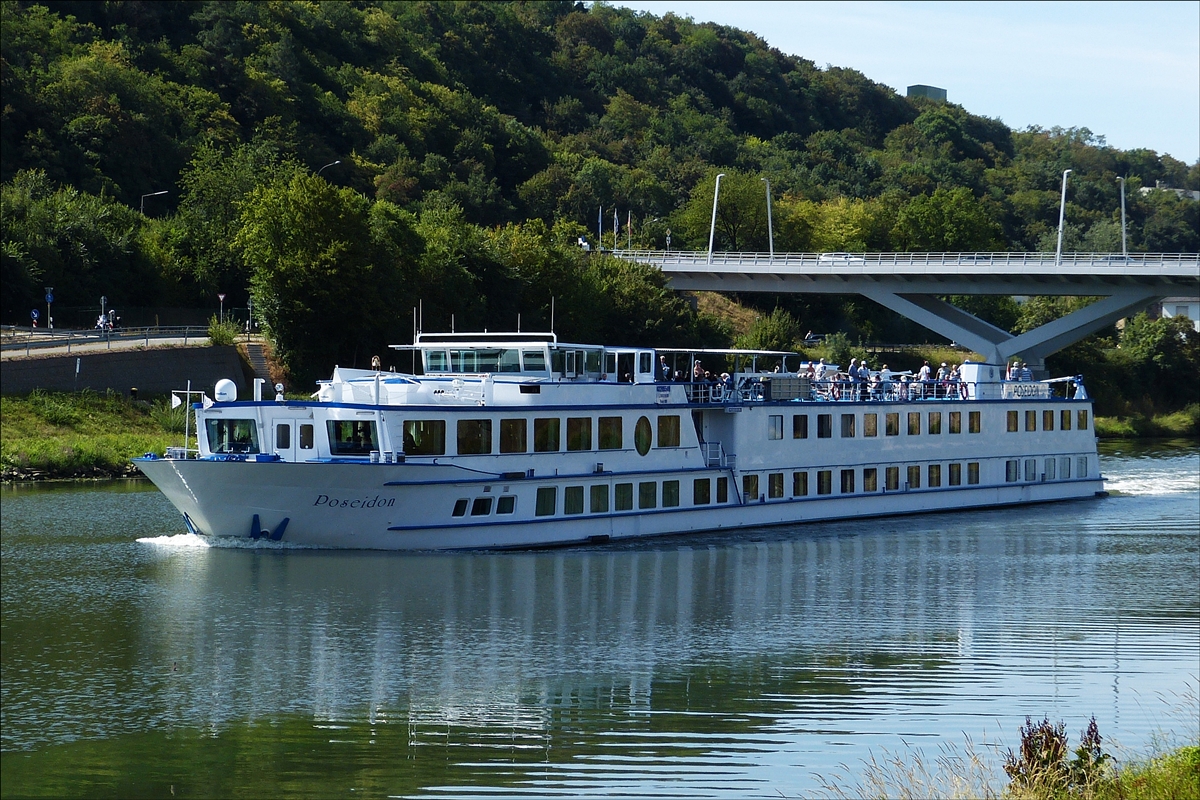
(1127, 71)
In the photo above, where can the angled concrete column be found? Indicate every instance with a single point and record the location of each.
(1054, 336)
(941, 317)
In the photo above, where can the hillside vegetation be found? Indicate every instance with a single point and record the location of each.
(476, 143)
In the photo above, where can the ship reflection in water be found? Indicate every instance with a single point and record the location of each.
(723, 665)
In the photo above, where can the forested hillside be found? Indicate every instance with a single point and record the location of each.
(475, 142)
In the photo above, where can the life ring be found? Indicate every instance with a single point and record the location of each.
(962, 390)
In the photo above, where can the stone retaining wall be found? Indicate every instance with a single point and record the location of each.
(153, 371)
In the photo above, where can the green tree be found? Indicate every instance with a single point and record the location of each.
(949, 220)
(741, 213)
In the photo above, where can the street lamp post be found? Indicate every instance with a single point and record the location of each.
(1124, 250)
(712, 229)
(327, 166)
(152, 194)
(249, 315)
(1062, 212)
(770, 232)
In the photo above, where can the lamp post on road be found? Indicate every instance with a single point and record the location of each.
(152, 194)
(712, 229)
(1124, 250)
(327, 166)
(1062, 212)
(770, 232)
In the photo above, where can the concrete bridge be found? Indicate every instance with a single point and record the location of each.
(912, 283)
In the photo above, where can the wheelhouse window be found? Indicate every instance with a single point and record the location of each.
(579, 433)
(668, 430)
(513, 438)
(422, 437)
(533, 360)
(474, 436)
(352, 437)
(233, 435)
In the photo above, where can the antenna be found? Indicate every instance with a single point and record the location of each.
(552, 313)
(452, 323)
(518, 322)
(421, 324)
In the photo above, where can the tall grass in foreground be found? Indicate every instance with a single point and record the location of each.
(1043, 767)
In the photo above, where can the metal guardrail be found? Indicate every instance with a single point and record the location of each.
(878, 262)
(751, 389)
(14, 337)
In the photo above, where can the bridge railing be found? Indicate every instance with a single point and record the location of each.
(964, 259)
(14, 337)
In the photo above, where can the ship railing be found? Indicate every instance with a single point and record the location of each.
(761, 388)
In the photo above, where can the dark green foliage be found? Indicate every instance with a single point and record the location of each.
(1041, 765)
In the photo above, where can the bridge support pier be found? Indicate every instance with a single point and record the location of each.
(998, 346)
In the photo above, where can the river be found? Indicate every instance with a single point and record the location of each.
(139, 661)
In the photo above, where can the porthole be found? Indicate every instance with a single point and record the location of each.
(642, 436)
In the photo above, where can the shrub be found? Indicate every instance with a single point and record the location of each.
(222, 334)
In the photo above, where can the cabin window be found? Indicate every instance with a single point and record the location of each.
(610, 364)
(824, 481)
(1012, 421)
(1012, 470)
(870, 480)
(600, 498)
(668, 430)
(1064, 467)
(352, 437)
(973, 422)
(435, 361)
(474, 437)
(775, 426)
(749, 487)
(935, 423)
(955, 476)
(481, 507)
(800, 426)
(847, 481)
(1064, 419)
(283, 436)
(513, 438)
(1081, 465)
(573, 500)
(935, 475)
(914, 477)
(642, 436)
(670, 494)
(546, 435)
(547, 500)
(234, 435)
(1081, 418)
(506, 504)
(847, 426)
(799, 484)
(644, 365)
(1049, 469)
(533, 360)
(775, 485)
(460, 507)
(610, 433)
(722, 490)
(306, 437)
(956, 422)
(972, 472)
(870, 425)
(1048, 420)
(423, 437)
(579, 433)
(647, 494)
(624, 496)
(701, 492)
(1031, 469)
(510, 361)
(891, 424)
(914, 423)
(824, 426)
(891, 479)
(1030, 420)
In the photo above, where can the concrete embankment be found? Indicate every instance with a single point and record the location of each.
(151, 371)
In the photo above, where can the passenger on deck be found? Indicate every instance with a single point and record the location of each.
(924, 376)
(698, 371)
(885, 380)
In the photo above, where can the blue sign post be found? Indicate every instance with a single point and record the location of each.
(33, 315)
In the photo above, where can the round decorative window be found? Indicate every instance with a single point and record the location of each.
(642, 436)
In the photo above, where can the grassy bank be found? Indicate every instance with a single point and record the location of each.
(81, 435)
(1181, 424)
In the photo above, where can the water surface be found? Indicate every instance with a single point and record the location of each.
(139, 661)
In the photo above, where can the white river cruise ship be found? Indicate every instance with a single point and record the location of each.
(519, 440)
